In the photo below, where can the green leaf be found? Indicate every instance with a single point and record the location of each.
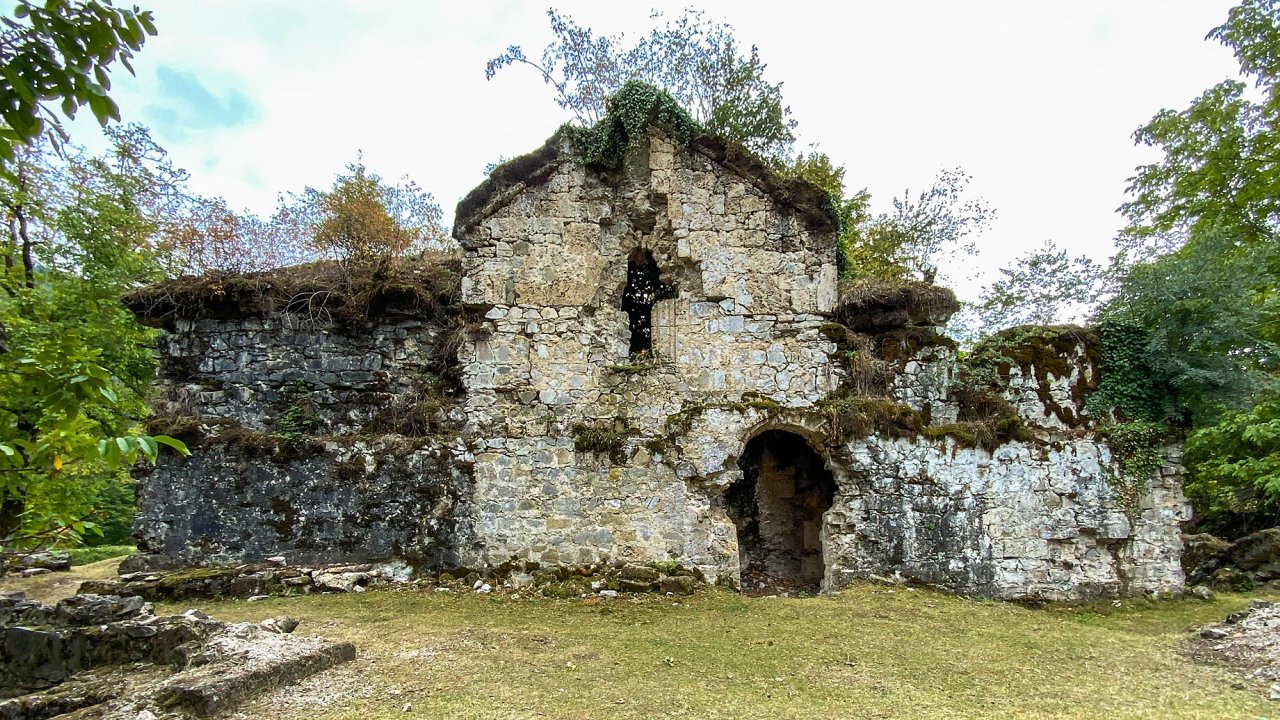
(174, 443)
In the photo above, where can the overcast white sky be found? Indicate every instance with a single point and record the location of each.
(1037, 100)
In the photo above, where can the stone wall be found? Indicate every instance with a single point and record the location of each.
(258, 371)
(323, 502)
(298, 429)
(564, 448)
(547, 267)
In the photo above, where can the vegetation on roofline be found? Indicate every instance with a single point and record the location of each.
(349, 294)
(631, 114)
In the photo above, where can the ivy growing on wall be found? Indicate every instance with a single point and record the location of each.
(628, 114)
(1132, 404)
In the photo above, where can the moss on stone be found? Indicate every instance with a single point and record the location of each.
(883, 303)
(851, 417)
(1039, 352)
(608, 437)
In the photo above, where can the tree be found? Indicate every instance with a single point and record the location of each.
(361, 218)
(936, 225)
(696, 60)
(77, 365)
(1042, 287)
(62, 50)
(1199, 266)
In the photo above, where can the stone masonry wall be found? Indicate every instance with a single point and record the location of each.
(334, 502)
(252, 370)
(565, 449)
(287, 459)
(548, 269)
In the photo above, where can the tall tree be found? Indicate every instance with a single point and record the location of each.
(1199, 266)
(697, 60)
(76, 365)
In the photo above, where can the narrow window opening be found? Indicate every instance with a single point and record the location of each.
(778, 507)
(644, 288)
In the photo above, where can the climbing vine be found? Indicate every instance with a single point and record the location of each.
(1132, 405)
(629, 112)
(1138, 449)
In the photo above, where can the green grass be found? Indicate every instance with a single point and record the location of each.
(90, 555)
(869, 652)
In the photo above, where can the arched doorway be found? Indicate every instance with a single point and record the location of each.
(777, 506)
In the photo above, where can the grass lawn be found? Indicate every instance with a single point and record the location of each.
(869, 652)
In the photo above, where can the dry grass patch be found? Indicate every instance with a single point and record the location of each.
(52, 587)
(869, 652)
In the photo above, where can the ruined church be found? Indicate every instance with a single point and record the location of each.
(650, 362)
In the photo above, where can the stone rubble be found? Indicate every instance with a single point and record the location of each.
(115, 656)
(1247, 642)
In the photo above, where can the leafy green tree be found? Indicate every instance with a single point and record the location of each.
(696, 60)
(1236, 462)
(61, 52)
(76, 365)
(1199, 267)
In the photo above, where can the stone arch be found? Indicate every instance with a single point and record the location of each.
(777, 505)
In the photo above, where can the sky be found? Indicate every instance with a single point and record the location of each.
(1036, 100)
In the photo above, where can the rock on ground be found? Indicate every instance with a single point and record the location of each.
(1247, 642)
(113, 657)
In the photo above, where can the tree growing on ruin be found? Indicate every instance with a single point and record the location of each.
(695, 59)
(361, 218)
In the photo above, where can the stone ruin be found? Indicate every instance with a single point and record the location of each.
(112, 657)
(650, 363)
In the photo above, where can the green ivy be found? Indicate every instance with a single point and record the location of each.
(1138, 448)
(629, 113)
(1129, 383)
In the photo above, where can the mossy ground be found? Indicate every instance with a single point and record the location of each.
(869, 652)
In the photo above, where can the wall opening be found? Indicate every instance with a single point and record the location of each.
(644, 288)
(777, 506)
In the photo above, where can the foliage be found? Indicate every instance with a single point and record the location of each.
(1138, 448)
(1211, 318)
(98, 553)
(1195, 280)
(629, 113)
(1130, 388)
(920, 233)
(934, 226)
(115, 505)
(1217, 168)
(853, 210)
(1042, 287)
(1235, 466)
(362, 219)
(695, 60)
(61, 50)
(77, 364)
